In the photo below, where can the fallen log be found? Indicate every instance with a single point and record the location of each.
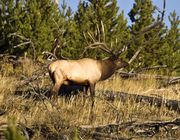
(126, 75)
(107, 128)
(136, 128)
(173, 81)
(155, 101)
(164, 81)
(97, 135)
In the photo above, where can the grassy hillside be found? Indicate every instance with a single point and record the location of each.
(22, 97)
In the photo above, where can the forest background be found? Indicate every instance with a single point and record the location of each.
(31, 28)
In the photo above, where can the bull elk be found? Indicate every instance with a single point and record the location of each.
(85, 71)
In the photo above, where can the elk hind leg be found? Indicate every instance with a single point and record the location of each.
(55, 90)
(92, 93)
(58, 80)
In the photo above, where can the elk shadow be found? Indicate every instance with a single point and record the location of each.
(68, 91)
(39, 93)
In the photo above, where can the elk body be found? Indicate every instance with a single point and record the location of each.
(86, 72)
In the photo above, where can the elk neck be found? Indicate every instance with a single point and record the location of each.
(107, 67)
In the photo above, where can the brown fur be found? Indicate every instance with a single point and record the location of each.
(84, 71)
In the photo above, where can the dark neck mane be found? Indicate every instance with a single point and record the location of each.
(107, 68)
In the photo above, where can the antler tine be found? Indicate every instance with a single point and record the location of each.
(55, 46)
(98, 33)
(121, 51)
(99, 45)
(49, 54)
(90, 35)
(103, 31)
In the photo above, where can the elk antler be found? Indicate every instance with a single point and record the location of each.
(49, 54)
(53, 51)
(99, 45)
(103, 45)
(121, 51)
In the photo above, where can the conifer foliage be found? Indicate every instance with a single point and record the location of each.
(27, 25)
(151, 42)
(172, 45)
(32, 26)
(101, 21)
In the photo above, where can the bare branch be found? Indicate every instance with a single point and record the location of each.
(28, 41)
(136, 54)
(151, 68)
(163, 12)
(18, 35)
(137, 128)
(155, 24)
(174, 81)
(21, 44)
(148, 28)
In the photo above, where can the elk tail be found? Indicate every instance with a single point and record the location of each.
(52, 76)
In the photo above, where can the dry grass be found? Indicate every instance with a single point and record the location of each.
(67, 114)
(142, 86)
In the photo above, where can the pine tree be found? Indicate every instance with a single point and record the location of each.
(69, 38)
(141, 16)
(34, 21)
(10, 15)
(40, 23)
(171, 55)
(101, 21)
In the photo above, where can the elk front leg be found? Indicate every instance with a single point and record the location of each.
(85, 89)
(92, 93)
